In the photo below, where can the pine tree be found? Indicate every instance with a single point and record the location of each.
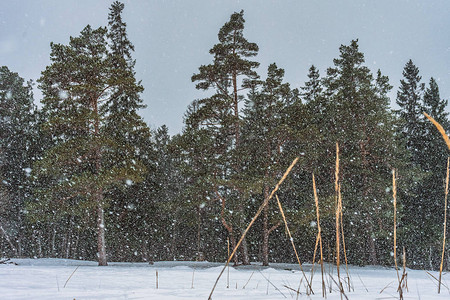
(18, 136)
(75, 87)
(313, 87)
(363, 124)
(265, 135)
(409, 99)
(230, 73)
(421, 207)
(129, 131)
(432, 161)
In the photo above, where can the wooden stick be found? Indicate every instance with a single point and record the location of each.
(292, 242)
(445, 225)
(253, 221)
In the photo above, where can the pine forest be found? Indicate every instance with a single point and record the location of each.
(84, 177)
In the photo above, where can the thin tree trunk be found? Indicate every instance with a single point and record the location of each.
(173, 245)
(101, 244)
(233, 245)
(200, 254)
(371, 243)
(265, 244)
(14, 249)
(53, 251)
(244, 249)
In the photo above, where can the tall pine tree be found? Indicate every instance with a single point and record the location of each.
(266, 133)
(76, 85)
(230, 73)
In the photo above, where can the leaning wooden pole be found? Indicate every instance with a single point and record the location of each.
(260, 209)
(445, 225)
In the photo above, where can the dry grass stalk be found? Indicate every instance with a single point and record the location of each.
(228, 255)
(404, 275)
(343, 238)
(402, 280)
(441, 130)
(260, 209)
(248, 280)
(319, 238)
(156, 279)
(394, 195)
(70, 277)
(270, 282)
(445, 225)
(293, 245)
(338, 213)
(447, 141)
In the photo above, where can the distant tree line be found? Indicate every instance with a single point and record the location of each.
(84, 177)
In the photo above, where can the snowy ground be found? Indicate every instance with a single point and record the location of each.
(45, 279)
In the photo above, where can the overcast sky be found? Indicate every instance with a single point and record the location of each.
(172, 39)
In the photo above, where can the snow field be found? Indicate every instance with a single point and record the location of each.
(45, 279)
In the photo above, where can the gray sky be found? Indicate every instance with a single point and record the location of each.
(172, 39)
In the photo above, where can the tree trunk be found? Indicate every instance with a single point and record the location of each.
(244, 251)
(233, 245)
(265, 244)
(13, 248)
(371, 243)
(53, 251)
(101, 244)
